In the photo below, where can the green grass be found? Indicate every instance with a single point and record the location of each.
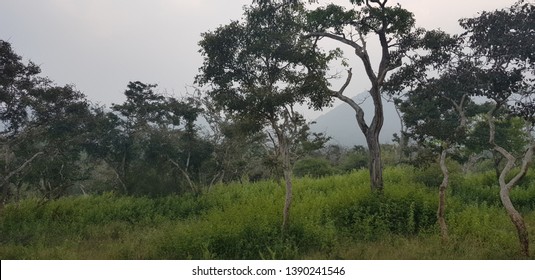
(333, 217)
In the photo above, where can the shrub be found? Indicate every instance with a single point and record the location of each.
(372, 216)
(431, 176)
(313, 167)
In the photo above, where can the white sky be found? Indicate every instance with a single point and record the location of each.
(101, 45)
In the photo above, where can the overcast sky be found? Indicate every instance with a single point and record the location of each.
(101, 45)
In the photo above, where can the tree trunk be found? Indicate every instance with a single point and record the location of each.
(442, 197)
(517, 220)
(284, 153)
(375, 165)
(372, 138)
(497, 160)
(505, 187)
(285, 157)
(4, 184)
(372, 131)
(192, 186)
(287, 201)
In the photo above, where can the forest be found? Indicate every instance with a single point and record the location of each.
(232, 170)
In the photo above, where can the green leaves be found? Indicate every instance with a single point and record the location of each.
(493, 33)
(261, 64)
(331, 16)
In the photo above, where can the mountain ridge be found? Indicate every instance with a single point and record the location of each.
(340, 123)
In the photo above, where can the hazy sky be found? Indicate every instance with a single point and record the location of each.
(101, 45)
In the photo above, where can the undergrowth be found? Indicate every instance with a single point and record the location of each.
(334, 217)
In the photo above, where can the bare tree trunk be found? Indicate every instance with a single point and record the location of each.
(442, 197)
(375, 165)
(496, 160)
(505, 187)
(186, 175)
(287, 201)
(284, 154)
(4, 184)
(402, 137)
(118, 176)
(517, 220)
(371, 132)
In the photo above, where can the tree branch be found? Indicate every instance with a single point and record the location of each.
(191, 184)
(358, 48)
(359, 112)
(360, 51)
(14, 172)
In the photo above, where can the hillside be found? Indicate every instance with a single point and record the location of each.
(341, 125)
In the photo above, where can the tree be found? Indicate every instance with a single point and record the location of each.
(503, 39)
(259, 68)
(42, 126)
(151, 138)
(17, 81)
(59, 114)
(434, 91)
(510, 133)
(237, 152)
(393, 27)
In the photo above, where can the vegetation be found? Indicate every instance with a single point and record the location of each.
(241, 221)
(142, 179)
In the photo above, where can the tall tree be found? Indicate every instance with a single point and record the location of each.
(503, 39)
(259, 68)
(434, 91)
(41, 125)
(60, 114)
(394, 28)
(238, 152)
(152, 133)
(43, 128)
(17, 80)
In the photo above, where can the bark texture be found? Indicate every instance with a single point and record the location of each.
(505, 187)
(441, 212)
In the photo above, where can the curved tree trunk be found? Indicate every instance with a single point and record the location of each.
(370, 132)
(517, 220)
(505, 187)
(4, 182)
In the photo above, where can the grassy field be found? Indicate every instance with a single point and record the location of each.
(332, 218)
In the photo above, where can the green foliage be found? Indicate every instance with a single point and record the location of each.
(313, 167)
(483, 189)
(510, 134)
(431, 176)
(334, 217)
(151, 143)
(372, 217)
(41, 124)
(355, 160)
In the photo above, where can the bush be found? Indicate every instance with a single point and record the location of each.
(431, 176)
(331, 217)
(373, 216)
(313, 167)
(354, 161)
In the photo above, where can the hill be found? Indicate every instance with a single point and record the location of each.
(341, 125)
